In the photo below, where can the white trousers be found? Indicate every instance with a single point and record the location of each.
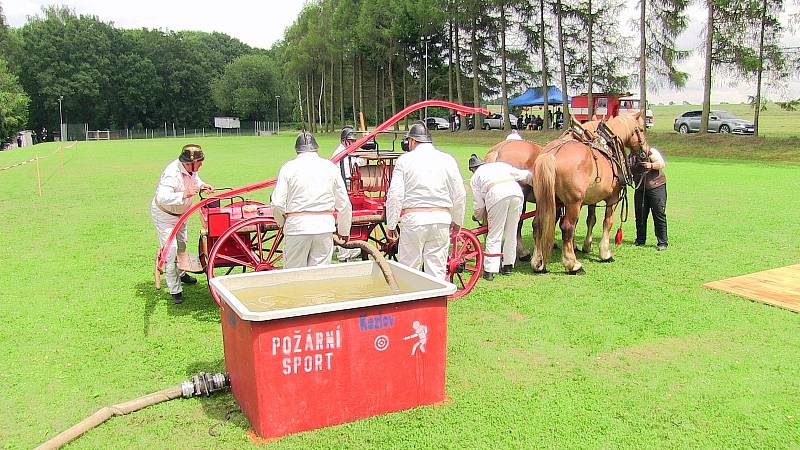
(502, 237)
(164, 224)
(347, 254)
(304, 250)
(426, 245)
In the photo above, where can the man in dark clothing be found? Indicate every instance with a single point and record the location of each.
(650, 196)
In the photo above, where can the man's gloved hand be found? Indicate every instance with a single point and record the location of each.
(454, 229)
(646, 164)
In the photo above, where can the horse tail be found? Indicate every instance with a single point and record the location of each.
(544, 191)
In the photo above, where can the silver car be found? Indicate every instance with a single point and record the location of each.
(718, 122)
(495, 121)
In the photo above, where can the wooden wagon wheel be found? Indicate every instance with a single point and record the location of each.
(253, 244)
(377, 237)
(465, 262)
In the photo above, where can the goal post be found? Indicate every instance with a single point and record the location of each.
(97, 135)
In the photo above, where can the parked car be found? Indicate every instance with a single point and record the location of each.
(437, 123)
(495, 122)
(718, 122)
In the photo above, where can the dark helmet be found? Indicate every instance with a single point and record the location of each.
(305, 143)
(348, 134)
(419, 132)
(191, 153)
(475, 162)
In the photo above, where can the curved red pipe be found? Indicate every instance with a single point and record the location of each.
(351, 148)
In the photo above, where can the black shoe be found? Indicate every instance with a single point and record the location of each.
(638, 243)
(188, 279)
(506, 270)
(177, 299)
(661, 247)
(488, 276)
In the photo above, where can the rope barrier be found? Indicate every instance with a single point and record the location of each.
(34, 159)
(22, 163)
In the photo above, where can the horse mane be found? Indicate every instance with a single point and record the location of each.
(624, 126)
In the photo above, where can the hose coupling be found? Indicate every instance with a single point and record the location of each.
(205, 384)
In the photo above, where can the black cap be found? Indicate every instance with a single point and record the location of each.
(348, 134)
(419, 132)
(475, 162)
(305, 143)
(191, 153)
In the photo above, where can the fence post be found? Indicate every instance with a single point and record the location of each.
(38, 177)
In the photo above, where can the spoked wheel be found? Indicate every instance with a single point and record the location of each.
(465, 262)
(377, 237)
(252, 245)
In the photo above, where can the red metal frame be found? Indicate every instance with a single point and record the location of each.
(235, 232)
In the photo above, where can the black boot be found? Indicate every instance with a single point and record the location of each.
(488, 276)
(506, 269)
(188, 279)
(177, 299)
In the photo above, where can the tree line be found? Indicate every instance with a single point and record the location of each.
(344, 57)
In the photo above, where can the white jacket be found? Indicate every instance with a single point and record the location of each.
(348, 161)
(169, 192)
(426, 177)
(306, 184)
(495, 181)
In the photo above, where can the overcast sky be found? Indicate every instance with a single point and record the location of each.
(259, 23)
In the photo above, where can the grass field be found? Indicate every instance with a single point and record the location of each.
(633, 354)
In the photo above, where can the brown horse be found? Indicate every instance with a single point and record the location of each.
(522, 155)
(575, 174)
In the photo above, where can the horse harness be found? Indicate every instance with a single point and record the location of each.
(611, 146)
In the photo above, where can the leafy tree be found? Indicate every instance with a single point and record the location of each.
(660, 23)
(13, 103)
(247, 88)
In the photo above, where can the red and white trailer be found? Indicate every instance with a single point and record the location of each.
(606, 106)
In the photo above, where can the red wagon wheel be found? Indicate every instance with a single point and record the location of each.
(252, 244)
(465, 262)
(377, 237)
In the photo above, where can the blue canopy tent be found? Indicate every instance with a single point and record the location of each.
(534, 97)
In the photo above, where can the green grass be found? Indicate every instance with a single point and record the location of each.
(633, 354)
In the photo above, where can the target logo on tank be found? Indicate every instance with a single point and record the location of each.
(381, 343)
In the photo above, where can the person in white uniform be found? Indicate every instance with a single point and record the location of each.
(497, 199)
(309, 191)
(347, 138)
(514, 136)
(179, 183)
(427, 198)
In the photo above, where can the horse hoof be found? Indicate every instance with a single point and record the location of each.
(609, 260)
(577, 272)
(525, 258)
(540, 271)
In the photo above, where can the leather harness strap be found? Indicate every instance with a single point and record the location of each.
(164, 210)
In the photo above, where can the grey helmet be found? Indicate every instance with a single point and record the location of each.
(419, 132)
(348, 134)
(475, 162)
(305, 143)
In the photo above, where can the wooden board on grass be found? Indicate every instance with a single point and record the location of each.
(778, 287)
